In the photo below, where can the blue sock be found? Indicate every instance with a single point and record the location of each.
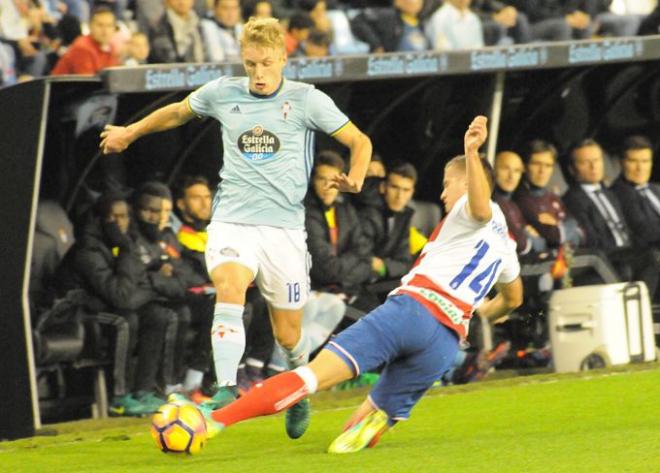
(228, 341)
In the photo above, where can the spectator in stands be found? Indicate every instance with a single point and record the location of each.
(222, 32)
(542, 208)
(167, 274)
(318, 12)
(508, 172)
(193, 206)
(148, 13)
(91, 53)
(177, 35)
(502, 23)
(387, 225)
(297, 33)
(137, 50)
(599, 211)
(392, 29)
(257, 8)
(198, 299)
(317, 45)
(454, 26)
(558, 20)
(15, 26)
(640, 199)
(608, 23)
(341, 255)
(105, 262)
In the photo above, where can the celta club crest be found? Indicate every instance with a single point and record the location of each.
(286, 109)
(222, 330)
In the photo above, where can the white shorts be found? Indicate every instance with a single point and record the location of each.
(277, 257)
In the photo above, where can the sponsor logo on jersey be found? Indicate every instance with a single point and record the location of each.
(236, 109)
(446, 306)
(258, 144)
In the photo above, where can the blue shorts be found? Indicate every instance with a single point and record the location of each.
(415, 348)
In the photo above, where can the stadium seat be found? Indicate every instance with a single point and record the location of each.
(59, 331)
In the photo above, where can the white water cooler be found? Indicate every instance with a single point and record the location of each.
(596, 326)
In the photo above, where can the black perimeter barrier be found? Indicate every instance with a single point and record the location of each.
(414, 107)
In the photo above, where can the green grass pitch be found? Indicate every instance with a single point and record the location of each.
(596, 422)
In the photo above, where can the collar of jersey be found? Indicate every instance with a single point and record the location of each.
(269, 96)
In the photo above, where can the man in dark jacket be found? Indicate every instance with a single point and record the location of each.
(169, 276)
(542, 208)
(392, 29)
(502, 21)
(105, 263)
(387, 224)
(599, 211)
(558, 20)
(640, 199)
(341, 255)
(177, 37)
(508, 171)
(193, 207)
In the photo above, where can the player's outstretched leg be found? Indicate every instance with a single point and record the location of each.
(270, 397)
(284, 390)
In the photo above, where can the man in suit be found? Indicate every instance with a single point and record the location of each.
(599, 211)
(640, 199)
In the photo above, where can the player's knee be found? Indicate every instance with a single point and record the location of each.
(230, 291)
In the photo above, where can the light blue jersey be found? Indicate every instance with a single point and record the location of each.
(268, 146)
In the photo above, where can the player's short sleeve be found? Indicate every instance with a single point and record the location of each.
(511, 266)
(463, 214)
(321, 113)
(202, 100)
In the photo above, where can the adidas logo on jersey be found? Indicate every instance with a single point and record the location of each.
(236, 109)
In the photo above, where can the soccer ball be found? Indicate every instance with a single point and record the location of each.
(179, 428)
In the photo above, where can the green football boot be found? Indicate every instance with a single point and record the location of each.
(128, 406)
(296, 419)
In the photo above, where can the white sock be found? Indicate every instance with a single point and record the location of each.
(172, 388)
(298, 355)
(193, 380)
(308, 377)
(228, 341)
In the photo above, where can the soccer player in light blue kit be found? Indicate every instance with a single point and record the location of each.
(257, 231)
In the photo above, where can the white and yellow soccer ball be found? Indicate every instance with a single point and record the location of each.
(179, 428)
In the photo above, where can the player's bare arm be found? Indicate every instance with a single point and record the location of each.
(360, 146)
(115, 139)
(477, 183)
(509, 297)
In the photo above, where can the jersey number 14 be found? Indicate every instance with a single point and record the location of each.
(482, 282)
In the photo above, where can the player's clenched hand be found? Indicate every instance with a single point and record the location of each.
(115, 139)
(476, 134)
(344, 183)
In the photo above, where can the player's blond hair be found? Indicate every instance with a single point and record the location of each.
(263, 32)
